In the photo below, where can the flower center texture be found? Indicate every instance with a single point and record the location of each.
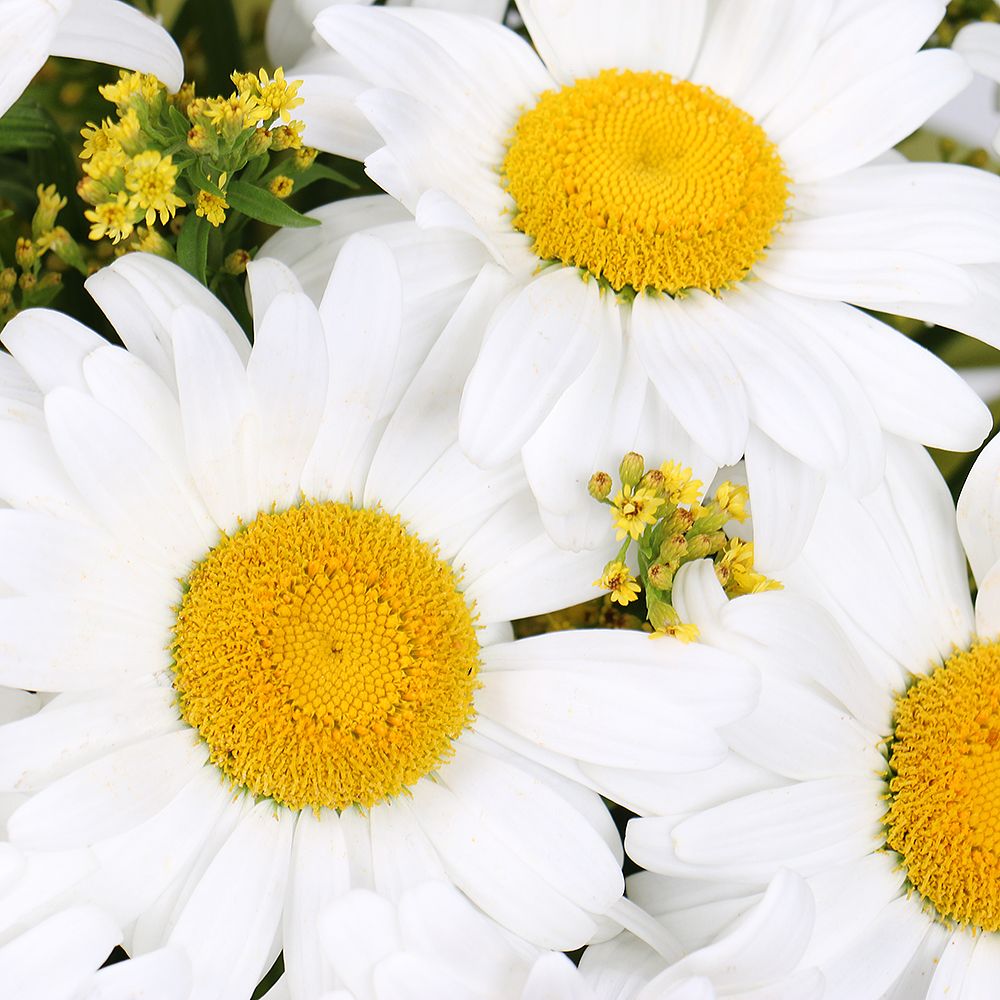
(646, 182)
(325, 655)
(944, 766)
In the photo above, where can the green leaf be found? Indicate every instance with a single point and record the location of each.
(264, 206)
(321, 172)
(27, 126)
(192, 246)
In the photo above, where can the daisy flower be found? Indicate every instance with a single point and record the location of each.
(869, 765)
(269, 608)
(693, 189)
(105, 31)
(756, 955)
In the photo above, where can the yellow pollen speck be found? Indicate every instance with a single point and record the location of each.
(326, 656)
(944, 766)
(645, 181)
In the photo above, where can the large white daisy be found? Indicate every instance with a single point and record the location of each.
(106, 31)
(690, 188)
(870, 764)
(269, 612)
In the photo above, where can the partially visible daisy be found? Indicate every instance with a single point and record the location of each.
(691, 190)
(757, 954)
(274, 610)
(105, 31)
(870, 765)
(328, 82)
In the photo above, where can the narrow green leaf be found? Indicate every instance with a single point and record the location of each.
(192, 246)
(264, 206)
(321, 172)
(27, 125)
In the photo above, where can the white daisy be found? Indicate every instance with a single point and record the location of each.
(258, 560)
(709, 168)
(756, 955)
(105, 31)
(870, 764)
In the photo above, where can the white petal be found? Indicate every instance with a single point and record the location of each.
(512, 569)
(62, 737)
(492, 873)
(27, 38)
(754, 54)
(318, 875)
(882, 952)
(125, 482)
(786, 495)
(357, 930)
(111, 32)
(230, 920)
(361, 315)
(873, 114)
(287, 377)
(266, 280)
(221, 432)
(49, 961)
(693, 373)
(802, 826)
(979, 511)
(585, 695)
(402, 856)
(139, 293)
(114, 793)
(51, 346)
(536, 346)
(582, 38)
(160, 975)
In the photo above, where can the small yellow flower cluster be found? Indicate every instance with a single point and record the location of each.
(664, 513)
(167, 152)
(40, 276)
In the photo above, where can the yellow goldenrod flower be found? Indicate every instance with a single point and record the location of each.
(287, 136)
(105, 163)
(618, 579)
(96, 138)
(279, 95)
(281, 186)
(632, 512)
(237, 111)
(150, 177)
(212, 207)
(129, 85)
(678, 484)
(733, 500)
(112, 219)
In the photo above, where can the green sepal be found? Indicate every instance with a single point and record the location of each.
(192, 246)
(265, 207)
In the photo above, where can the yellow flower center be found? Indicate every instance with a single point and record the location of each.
(645, 181)
(326, 656)
(944, 816)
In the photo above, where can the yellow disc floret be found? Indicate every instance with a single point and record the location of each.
(645, 181)
(326, 656)
(944, 816)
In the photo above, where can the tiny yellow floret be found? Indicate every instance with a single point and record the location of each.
(646, 182)
(150, 177)
(326, 656)
(944, 782)
(634, 511)
(211, 207)
(111, 218)
(618, 579)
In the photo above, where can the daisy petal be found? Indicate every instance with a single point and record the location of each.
(536, 346)
(229, 922)
(979, 511)
(111, 32)
(110, 795)
(873, 114)
(50, 346)
(160, 975)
